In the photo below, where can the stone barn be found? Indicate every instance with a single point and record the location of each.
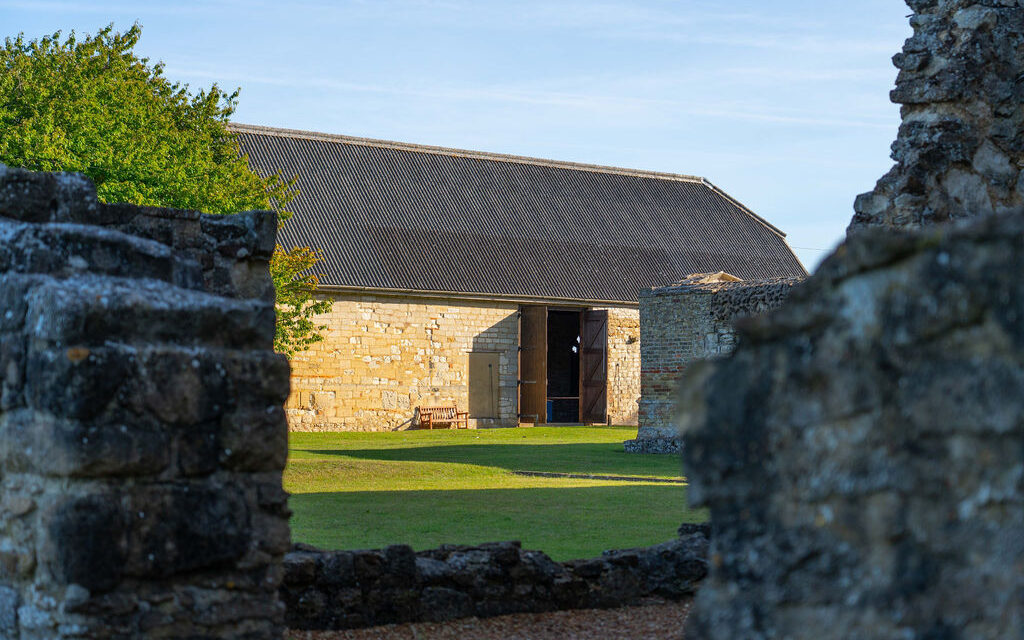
(504, 285)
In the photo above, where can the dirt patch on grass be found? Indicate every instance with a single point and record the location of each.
(590, 476)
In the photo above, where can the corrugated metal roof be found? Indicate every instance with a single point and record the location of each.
(396, 216)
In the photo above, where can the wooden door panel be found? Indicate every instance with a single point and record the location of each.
(594, 367)
(533, 363)
(484, 384)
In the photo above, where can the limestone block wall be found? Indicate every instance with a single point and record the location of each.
(142, 438)
(682, 324)
(623, 365)
(383, 356)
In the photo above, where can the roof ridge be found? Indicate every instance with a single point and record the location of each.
(744, 208)
(468, 153)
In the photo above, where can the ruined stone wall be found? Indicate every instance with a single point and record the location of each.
(142, 437)
(683, 324)
(383, 356)
(960, 151)
(623, 365)
(862, 452)
(350, 589)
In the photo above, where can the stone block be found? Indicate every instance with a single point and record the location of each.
(75, 381)
(254, 439)
(9, 601)
(300, 568)
(177, 386)
(88, 541)
(198, 447)
(68, 250)
(14, 290)
(92, 309)
(46, 197)
(12, 371)
(179, 529)
(441, 603)
(53, 446)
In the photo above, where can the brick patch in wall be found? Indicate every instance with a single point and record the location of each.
(684, 323)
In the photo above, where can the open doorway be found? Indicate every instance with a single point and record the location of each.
(563, 353)
(562, 365)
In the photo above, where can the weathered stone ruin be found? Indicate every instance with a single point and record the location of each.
(862, 451)
(960, 144)
(684, 323)
(142, 436)
(348, 589)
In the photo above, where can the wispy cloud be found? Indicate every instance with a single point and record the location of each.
(608, 106)
(108, 9)
(792, 42)
(802, 75)
(695, 23)
(589, 14)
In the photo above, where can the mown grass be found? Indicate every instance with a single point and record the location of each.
(425, 488)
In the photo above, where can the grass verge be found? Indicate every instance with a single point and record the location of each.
(425, 488)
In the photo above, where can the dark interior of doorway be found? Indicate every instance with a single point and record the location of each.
(563, 391)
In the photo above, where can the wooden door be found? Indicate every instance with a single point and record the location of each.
(594, 367)
(484, 384)
(533, 364)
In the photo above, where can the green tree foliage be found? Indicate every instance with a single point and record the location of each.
(91, 105)
(295, 285)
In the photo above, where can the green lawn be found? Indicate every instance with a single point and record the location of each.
(425, 488)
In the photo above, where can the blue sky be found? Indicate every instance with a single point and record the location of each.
(783, 104)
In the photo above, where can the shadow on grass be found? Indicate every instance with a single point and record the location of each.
(600, 458)
(565, 523)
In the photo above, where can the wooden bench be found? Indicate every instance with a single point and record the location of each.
(429, 416)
